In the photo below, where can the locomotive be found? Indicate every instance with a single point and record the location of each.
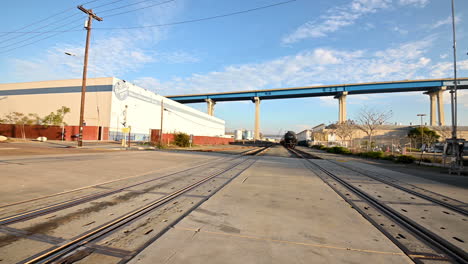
(289, 140)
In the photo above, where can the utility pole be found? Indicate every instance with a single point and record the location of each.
(88, 24)
(162, 118)
(422, 137)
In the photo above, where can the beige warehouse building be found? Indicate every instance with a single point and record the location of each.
(110, 103)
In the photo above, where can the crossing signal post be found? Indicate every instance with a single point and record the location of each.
(88, 24)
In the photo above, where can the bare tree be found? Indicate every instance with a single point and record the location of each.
(370, 119)
(345, 130)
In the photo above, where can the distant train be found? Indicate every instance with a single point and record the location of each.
(289, 140)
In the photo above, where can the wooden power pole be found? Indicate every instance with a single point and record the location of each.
(91, 16)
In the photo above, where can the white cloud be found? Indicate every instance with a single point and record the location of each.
(400, 30)
(311, 67)
(445, 69)
(178, 57)
(443, 22)
(342, 16)
(420, 3)
(111, 54)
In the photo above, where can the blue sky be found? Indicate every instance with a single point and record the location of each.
(295, 44)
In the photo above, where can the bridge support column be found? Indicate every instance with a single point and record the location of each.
(432, 99)
(342, 106)
(440, 105)
(257, 118)
(437, 110)
(210, 104)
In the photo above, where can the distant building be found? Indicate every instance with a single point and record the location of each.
(384, 135)
(110, 103)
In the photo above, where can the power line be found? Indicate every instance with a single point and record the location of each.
(52, 23)
(44, 19)
(138, 27)
(205, 18)
(108, 10)
(105, 4)
(40, 34)
(50, 36)
(124, 6)
(179, 22)
(121, 13)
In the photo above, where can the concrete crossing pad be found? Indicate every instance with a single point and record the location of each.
(275, 212)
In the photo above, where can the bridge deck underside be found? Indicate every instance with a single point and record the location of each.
(333, 90)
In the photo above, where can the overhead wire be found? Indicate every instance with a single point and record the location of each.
(100, 12)
(44, 19)
(125, 12)
(40, 34)
(136, 3)
(34, 42)
(181, 22)
(148, 26)
(203, 19)
(113, 2)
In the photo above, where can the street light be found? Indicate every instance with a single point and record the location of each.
(422, 129)
(162, 118)
(422, 136)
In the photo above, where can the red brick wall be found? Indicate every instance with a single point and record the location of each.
(197, 140)
(203, 140)
(167, 138)
(52, 132)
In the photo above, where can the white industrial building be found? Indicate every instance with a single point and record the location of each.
(110, 103)
(305, 135)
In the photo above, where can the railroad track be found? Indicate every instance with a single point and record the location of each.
(258, 151)
(415, 237)
(445, 201)
(91, 242)
(87, 198)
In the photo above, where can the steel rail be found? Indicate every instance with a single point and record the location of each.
(429, 237)
(256, 151)
(415, 193)
(73, 202)
(262, 151)
(55, 253)
(82, 188)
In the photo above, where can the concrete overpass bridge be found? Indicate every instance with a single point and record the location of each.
(433, 87)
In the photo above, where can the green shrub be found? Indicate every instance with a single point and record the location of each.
(389, 157)
(372, 154)
(428, 160)
(339, 150)
(405, 159)
(413, 150)
(182, 139)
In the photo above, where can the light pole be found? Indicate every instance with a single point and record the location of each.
(453, 93)
(162, 118)
(422, 136)
(422, 130)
